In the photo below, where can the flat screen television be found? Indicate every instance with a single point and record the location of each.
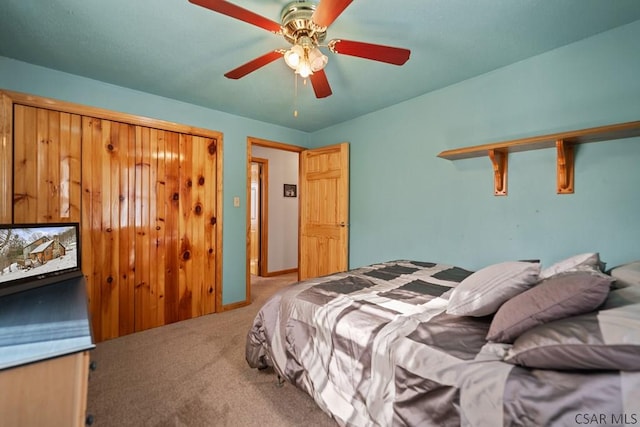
(34, 255)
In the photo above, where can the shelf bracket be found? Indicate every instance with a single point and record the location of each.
(565, 167)
(499, 159)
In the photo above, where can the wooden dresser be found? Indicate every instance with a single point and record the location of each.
(45, 339)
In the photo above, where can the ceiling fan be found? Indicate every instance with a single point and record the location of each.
(304, 25)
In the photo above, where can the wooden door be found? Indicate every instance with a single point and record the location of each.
(324, 211)
(148, 226)
(255, 219)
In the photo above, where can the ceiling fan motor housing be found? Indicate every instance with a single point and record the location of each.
(297, 23)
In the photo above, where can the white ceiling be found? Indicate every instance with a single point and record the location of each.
(178, 50)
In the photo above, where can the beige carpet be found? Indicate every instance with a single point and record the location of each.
(194, 373)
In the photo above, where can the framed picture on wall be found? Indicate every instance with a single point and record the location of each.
(290, 190)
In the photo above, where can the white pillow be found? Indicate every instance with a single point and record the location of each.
(591, 259)
(483, 292)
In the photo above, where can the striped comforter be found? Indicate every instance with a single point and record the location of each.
(374, 347)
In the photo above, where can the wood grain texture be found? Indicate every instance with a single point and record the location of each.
(172, 233)
(579, 136)
(158, 228)
(55, 389)
(6, 158)
(148, 200)
(149, 210)
(324, 211)
(184, 227)
(47, 166)
(24, 167)
(123, 202)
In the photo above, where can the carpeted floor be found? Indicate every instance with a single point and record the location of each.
(194, 373)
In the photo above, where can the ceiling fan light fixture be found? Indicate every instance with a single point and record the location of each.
(305, 59)
(293, 56)
(304, 67)
(317, 59)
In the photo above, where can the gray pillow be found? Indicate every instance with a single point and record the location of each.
(563, 295)
(590, 259)
(483, 292)
(601, 340)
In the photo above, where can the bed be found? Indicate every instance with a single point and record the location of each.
(428, 344)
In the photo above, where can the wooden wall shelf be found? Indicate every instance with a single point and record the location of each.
(563, 142)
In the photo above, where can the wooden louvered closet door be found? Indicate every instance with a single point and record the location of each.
(146, 201)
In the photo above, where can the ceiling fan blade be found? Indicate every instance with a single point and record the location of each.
(375, 52)
(320, 84)
(254, 64)
(240, 13)
(328, 10)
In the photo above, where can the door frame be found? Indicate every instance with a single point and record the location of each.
(263, 214)
(251, 141)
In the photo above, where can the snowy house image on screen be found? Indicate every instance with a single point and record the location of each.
(31, 254)
(47, 251)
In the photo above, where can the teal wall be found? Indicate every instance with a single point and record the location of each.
(408, 203)
(27, 78)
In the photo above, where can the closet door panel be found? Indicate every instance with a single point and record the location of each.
(92, 220)
(198, 203)
(171, 267)
(126, 232)
(155, 150)
(204, 207)
(6, 159)
(143, 298)
(185, 277)
(47, 178)
(158, 232)
(24, 152)
(196, 225)
(70, 166)
(107, 234)
(47, 152)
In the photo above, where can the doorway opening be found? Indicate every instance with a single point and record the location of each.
(272, 215)
(258, 218)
